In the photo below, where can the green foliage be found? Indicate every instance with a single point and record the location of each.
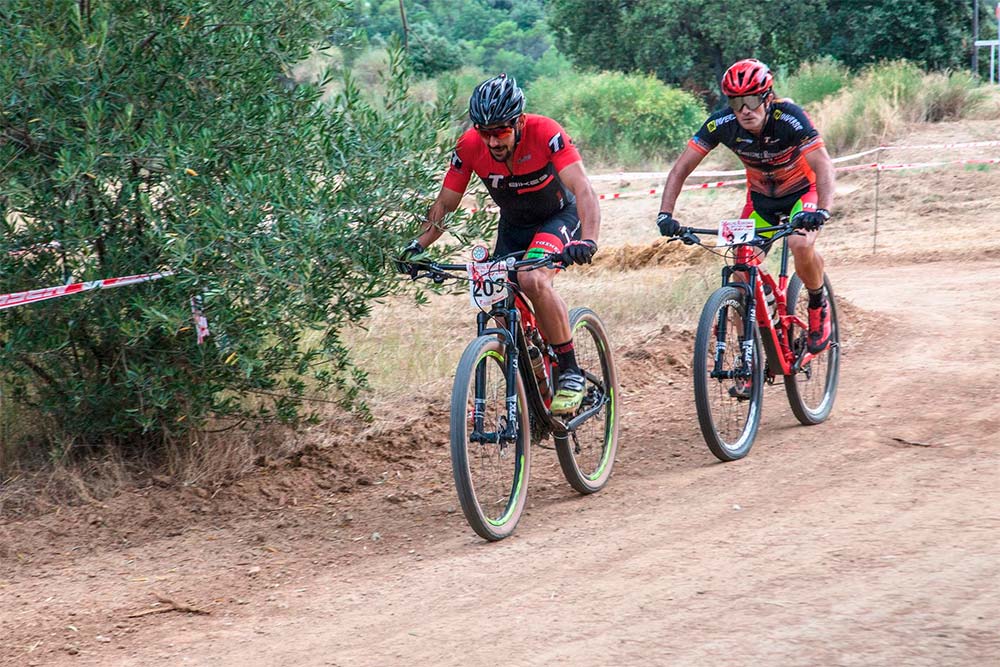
(814, 81)
(618, 116)
(685, 42)
(493, 36)
(168, 136)
(691, 42)
(933, 33)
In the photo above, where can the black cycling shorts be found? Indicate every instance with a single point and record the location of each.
(550, 236)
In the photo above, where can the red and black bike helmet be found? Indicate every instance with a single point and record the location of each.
(747, 77)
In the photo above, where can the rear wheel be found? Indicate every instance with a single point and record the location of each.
(812, 390)
(587, 455)
(727, 394)
(490, 470)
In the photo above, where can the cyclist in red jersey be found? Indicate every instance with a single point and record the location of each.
(788, 172)
(535, 175)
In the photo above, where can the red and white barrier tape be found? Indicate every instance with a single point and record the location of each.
(44, 293)
(641, 175)
(857, 167)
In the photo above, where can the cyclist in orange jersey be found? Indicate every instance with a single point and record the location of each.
(788, 171)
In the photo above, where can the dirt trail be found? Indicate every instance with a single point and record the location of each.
(871, 539)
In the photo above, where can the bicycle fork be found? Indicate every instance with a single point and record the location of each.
(745, 368)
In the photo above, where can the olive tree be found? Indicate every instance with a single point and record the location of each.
(168, 135)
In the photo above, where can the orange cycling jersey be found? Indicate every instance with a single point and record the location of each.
(531, 193)
(775, 160)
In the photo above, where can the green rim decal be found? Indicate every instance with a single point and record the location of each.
(515, 495)
(490, 353)
(607, 443)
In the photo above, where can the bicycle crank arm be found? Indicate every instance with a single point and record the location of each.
(806, 357)
(578, 421)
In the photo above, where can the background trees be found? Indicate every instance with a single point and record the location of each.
(690, 42)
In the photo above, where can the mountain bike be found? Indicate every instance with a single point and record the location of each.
(500, 404)
(751, 330)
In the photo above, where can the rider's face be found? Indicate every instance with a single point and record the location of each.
(500, 139)
(752, 120)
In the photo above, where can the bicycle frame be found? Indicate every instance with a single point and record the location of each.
(774, 337)
(518, 322)
(520, 319)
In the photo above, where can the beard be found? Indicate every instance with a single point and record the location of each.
(500, 154)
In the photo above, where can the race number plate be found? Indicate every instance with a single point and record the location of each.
(735, 232)
(487, 283)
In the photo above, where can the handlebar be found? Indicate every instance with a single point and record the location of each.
(439, 272)
(688, 235)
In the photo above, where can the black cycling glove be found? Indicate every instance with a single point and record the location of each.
(668, 226)
(402, 263)
(811, 220)
(579, 252)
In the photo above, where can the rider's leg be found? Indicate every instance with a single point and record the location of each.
(809, 267)
(551, 312)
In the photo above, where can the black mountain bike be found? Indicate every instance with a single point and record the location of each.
(502, 390)
(753, 329)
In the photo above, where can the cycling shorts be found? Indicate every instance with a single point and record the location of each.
(548, 237)
(766, 211)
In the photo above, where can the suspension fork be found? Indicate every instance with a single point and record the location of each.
(745, 368)
(510, 335)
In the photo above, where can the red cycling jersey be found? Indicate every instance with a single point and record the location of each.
(531, 193)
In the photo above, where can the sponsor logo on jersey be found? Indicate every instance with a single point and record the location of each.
(711, 126)
(524, 159)
(557, 143)
(808, 206)
(456, 161)
(495, 180)
(783, 117)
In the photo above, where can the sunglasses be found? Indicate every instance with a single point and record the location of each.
(501, 132)
(750, 101)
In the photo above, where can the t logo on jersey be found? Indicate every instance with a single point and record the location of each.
(456, 161)
(557, 143)
(495, 179)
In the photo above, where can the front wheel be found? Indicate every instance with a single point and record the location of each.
(490, 457)
(587, 455)
(812, 389)
(727, 393)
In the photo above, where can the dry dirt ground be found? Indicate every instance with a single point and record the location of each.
(871, 539)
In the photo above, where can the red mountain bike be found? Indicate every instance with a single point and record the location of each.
(753, 329)
(500, 404)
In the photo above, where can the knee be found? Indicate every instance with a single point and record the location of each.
(533, 283)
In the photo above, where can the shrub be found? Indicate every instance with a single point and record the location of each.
(814, 81)
(619, 117)
(142, 138)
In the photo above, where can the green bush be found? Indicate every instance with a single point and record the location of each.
(624, 118)
(144, 138)
(814, 81)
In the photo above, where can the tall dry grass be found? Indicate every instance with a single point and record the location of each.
(885, 99)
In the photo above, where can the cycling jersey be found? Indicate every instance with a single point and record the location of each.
(775, 160)
(531, 193)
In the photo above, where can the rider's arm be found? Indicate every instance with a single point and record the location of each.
(575, 178)
(447, 201)
(685, 164)
(826, 182)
